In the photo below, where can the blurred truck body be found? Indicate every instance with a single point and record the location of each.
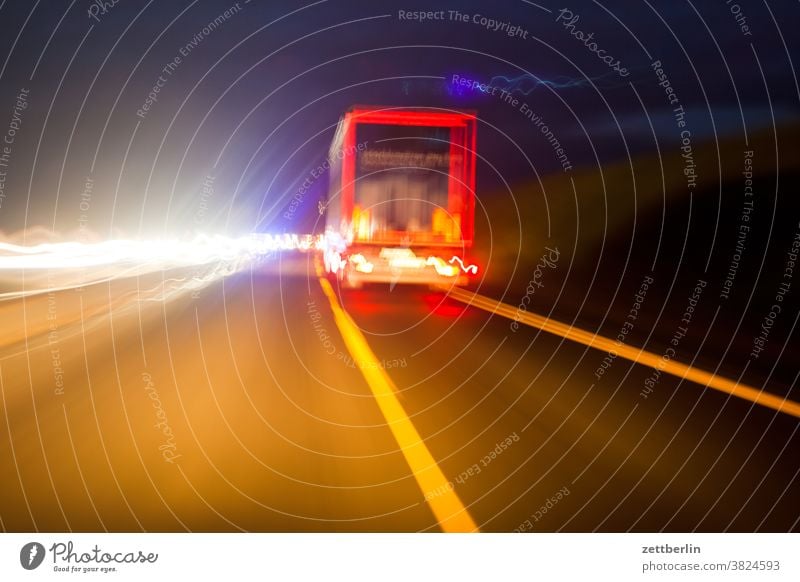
(401, 202)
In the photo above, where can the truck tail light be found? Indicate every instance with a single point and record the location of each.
(361, 263)
(470, 269)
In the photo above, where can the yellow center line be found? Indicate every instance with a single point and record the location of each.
(447, 507)
(631, 353)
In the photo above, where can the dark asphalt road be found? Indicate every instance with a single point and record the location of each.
(241, 408)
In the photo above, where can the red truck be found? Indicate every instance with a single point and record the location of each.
(401, 203)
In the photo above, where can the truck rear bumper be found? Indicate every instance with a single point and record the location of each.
(402, 266)
(404, 277)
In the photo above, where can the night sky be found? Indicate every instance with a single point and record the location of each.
(249, 94)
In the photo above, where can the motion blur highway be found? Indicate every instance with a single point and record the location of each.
(611, 187)
(240, 407)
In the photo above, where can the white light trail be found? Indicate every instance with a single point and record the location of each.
(163, 254)
(56, 266)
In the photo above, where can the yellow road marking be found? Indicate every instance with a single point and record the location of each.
(445, 504)
(630, 353)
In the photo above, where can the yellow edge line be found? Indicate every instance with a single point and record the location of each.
(447, 507)
(631, 353)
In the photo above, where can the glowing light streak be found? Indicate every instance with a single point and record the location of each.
(201, 250)
(57, 266)
(468, 269)
(441, 267)
(402, 258)
(527, 83)
(362, 264)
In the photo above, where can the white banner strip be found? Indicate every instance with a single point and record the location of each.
(388, 557)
